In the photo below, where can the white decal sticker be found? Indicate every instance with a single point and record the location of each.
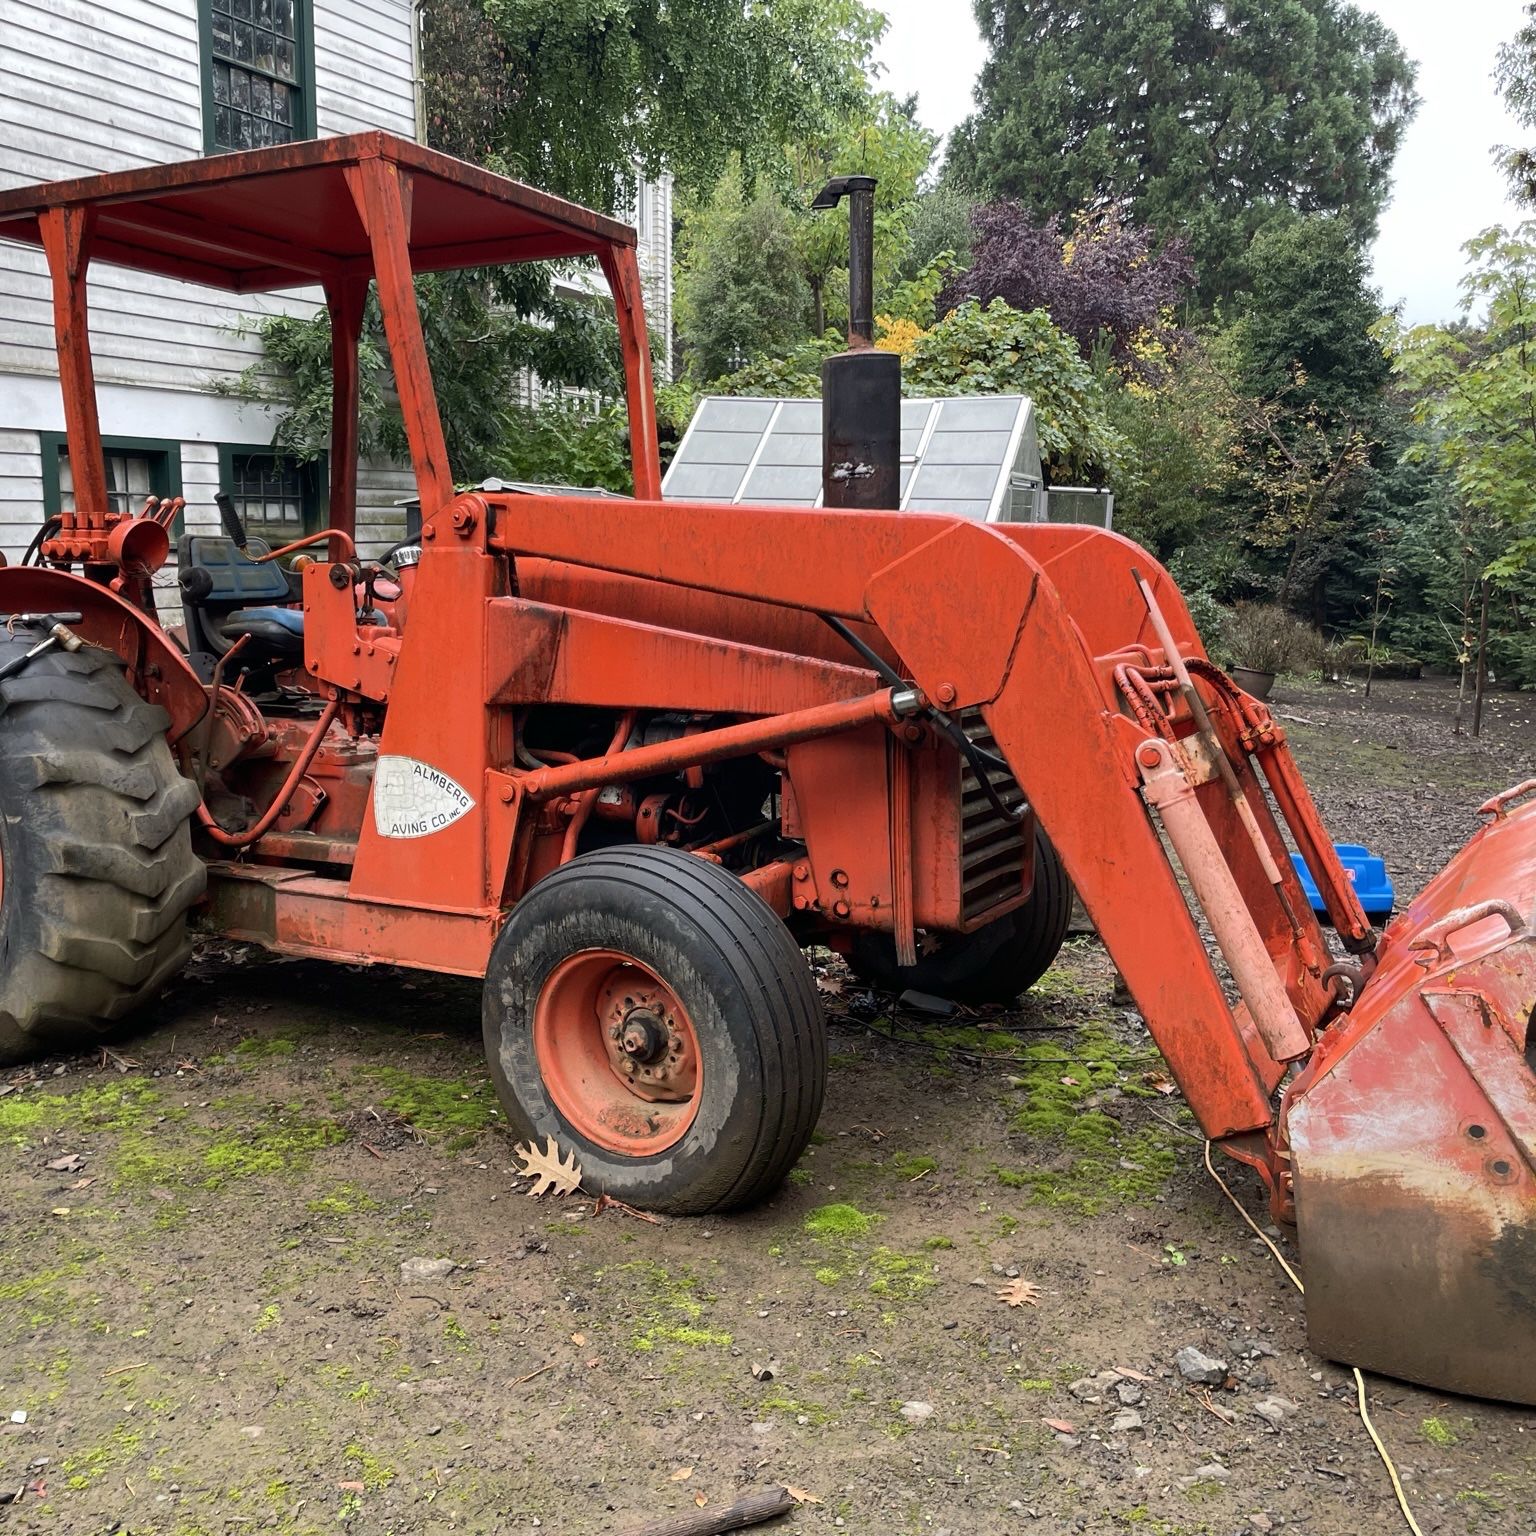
(414, 799)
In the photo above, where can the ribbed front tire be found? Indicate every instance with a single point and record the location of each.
(97, 872)
(723, 1085)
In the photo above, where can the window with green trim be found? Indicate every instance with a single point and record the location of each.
(136, 469)
(279, 498)
(258, 73)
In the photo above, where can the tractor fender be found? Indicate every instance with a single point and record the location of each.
(156, 667)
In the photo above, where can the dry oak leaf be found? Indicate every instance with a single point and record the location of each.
(701, 1499)
(1061, 1426)
(800, 1495)
(1020, 1293)
(548, 1169)
(682, 1475)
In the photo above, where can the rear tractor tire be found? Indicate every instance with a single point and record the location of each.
(97, 871)
(652, 1014)
(994, 964)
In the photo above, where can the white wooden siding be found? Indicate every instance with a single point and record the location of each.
(87, 86)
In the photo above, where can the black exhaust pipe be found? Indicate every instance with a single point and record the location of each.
(860, 388)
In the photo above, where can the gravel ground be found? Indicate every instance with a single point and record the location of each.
(206, 1327)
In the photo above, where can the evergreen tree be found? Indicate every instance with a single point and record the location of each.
(1206, 119)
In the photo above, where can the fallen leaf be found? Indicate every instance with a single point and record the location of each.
(1129, 1374)
(81, 1183)
(701, 1498)
(1020, 1293)
(799, 1495)
(1159, 1082)
(831, 985)
(682, 1475)
(1071, 1082)
(71, 1162)
(765, 1371)
(548, 1169)
(351, 1487)
(1061, 1426)
(61, 1210)
(593, 1363)
(578, 1339)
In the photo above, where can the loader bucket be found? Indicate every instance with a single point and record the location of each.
(1413, 1136)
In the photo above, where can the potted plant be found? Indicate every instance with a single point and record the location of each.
(1262, 639)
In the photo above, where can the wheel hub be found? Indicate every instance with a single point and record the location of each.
(618, 1053)
(654, 1056)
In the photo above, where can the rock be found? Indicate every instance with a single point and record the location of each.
(1069, 1442)
(419, 1271)
(916, 1413)
(1196, 1366)
(1094, 1389)
(1261, 1522)
(1211, 1472)
(1124, 1421)
(1259, 1347)
(253, 1431)
(1128, 1393)
(1274, 1410)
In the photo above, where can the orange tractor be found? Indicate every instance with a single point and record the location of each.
(623, 758)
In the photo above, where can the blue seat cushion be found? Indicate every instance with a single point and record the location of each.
(291, 619)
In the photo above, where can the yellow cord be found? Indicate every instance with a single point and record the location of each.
(1295, 1279)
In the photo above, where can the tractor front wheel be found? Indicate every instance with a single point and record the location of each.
(97, 871)
(654, 1016)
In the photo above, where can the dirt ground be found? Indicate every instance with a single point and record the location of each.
(204, 1320)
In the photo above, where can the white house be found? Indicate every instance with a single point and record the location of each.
(89, 86)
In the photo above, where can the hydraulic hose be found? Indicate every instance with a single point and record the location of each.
(300, 768)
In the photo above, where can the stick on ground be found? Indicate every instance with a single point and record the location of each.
(762, 1504)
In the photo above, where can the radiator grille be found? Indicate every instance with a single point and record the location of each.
(992, 848)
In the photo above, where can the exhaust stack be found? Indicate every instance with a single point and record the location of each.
(860, 388)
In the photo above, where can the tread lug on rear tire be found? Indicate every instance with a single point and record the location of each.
(97, 872)
(995, 964)
(727, 1045)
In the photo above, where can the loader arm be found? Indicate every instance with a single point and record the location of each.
(1027, 624)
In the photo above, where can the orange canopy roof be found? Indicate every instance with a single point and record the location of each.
(284, 218)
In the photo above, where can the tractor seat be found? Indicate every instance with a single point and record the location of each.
(279, 632)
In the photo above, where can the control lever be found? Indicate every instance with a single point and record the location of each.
(231, 519)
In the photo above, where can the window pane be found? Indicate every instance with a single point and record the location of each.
(262, 46)
(261, 98)
(245, 42)
(223, 34)
(281, 109)
(239, 90)
(284, 64)
(223, 128)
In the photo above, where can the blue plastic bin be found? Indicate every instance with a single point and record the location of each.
(1367, 873)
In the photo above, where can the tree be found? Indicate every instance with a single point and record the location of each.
(1209, 119)
(1473, 389)
(997, 350)
(1103, 283)
(1516, 77)
(741, 288)
(571, 94)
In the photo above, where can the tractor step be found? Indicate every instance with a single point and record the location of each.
(1412, 1133)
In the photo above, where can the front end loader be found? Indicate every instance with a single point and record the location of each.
(624, 758)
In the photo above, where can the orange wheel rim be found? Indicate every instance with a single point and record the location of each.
(618, 1053)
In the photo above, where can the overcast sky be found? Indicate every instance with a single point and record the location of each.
(1445, 186)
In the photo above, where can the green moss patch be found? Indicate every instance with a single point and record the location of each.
(839, 1222)
(1106, 1161)
(454, 1110)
